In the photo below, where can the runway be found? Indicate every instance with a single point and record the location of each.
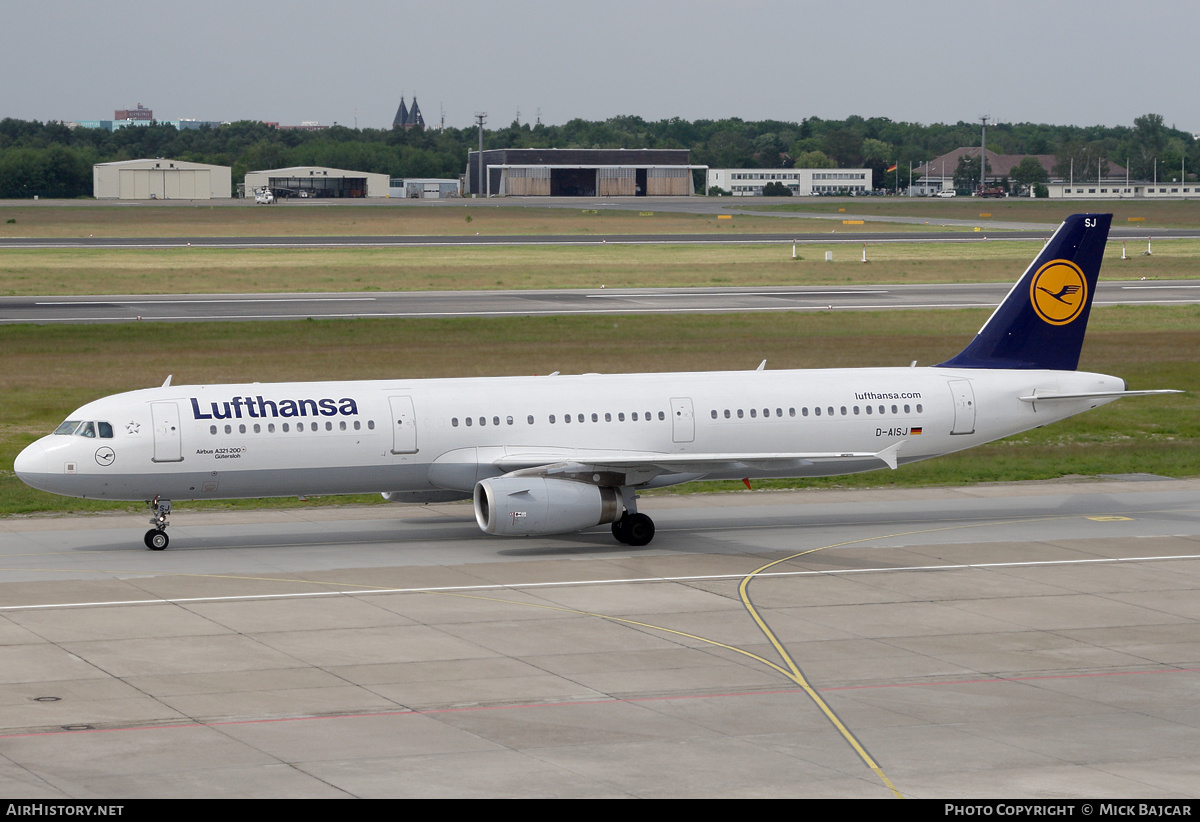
(1003, 641)
(998, 232)
(416, 304)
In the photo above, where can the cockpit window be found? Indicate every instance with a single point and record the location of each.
(86, 429)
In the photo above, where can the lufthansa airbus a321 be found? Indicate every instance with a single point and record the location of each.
(556, 454)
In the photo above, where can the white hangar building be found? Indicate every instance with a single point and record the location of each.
(160, 179)
(317, 181)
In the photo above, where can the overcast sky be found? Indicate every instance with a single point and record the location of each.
(1044, 61)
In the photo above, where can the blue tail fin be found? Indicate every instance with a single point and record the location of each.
(1041, 322)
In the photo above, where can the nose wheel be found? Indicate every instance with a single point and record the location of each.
(156, 538)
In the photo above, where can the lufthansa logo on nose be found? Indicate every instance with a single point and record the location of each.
(1058, 292)
(105, 456)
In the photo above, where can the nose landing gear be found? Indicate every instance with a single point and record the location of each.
(156, 538)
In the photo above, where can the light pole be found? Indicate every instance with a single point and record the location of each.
(983, 153)
(481, 118)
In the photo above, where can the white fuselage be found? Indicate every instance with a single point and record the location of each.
(434, 439)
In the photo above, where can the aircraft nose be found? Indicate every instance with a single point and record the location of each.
(30, 463)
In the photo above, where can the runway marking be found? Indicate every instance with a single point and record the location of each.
(637, 296)
(229, 300)
(450, 589)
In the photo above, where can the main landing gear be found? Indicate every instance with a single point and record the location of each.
(156, 538)
(632, 528)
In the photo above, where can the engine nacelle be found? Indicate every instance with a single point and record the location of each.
(523, 506)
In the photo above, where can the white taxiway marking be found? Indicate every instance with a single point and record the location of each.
(198, 302)
(575, 583)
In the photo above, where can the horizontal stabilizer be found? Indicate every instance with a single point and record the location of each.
(1096, 395)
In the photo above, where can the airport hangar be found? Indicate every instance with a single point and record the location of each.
(159, 179)
(318, 182)
(577, 172)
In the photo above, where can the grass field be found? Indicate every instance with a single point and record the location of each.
(49, 371)
(509, 217)
(1157, 214)
(227, 271)
(362, 219)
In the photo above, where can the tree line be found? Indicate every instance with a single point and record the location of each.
(52, 160)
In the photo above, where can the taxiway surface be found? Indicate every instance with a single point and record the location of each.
(416, 304)
(1007, 640)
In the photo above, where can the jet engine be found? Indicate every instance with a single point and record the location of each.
(523, 506)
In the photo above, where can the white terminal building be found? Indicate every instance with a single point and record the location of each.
(802, 182)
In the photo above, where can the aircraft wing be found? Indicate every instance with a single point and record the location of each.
(636, 467)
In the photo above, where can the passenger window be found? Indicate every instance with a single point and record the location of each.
(357, 425)
(510, 420)
(552, 419)
(328, 425)
(257, 428)
(229, 429)
(342, 425)
(633, 416)
(212, 429)
(454, 422)
(468, 422)
(662, 415)
(529, 419)
(242, 429)
(595, 418)
(285, 428)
